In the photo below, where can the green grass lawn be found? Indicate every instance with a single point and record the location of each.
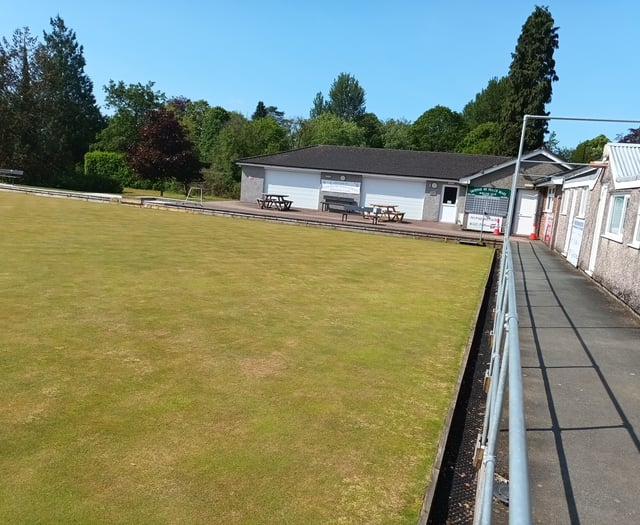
(162, 367)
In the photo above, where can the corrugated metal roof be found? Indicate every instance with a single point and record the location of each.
(625, 162)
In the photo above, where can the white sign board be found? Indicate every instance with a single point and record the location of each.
(491, 222)
(340, 186)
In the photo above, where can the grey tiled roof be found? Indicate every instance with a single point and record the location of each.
(436, 165)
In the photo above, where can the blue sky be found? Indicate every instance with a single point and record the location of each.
(409, 56)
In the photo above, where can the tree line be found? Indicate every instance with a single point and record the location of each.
(52, 128)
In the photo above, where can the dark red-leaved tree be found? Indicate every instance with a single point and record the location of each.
(163, 152)
(633, 137)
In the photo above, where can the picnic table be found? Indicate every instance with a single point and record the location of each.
(389, 212)
(275, 200)
(367, 212)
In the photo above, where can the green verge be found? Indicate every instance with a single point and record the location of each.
(162, 367)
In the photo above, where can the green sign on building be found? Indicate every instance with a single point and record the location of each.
(488, 192)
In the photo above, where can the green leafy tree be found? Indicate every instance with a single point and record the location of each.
(265, 136)
(260, 112)
(372, 128)
(263, 111)
(438, 129)
(137, 99)
(487, 104)
(70, 117)
(189, 114)
(242, 138)
(329, 129)
(213, 121)
(201, 121)
(396, 134)
(481, 140)
(231, 144)
(553, 145)
(163, 152)
(530, 79)
(347, 98)
(319, 107)
(589, 149)
(131, 103)
(203, 124)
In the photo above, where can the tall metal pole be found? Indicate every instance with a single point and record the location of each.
(514, 181)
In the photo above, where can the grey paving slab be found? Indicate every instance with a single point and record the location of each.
(543, 316)
(536, 403)
(559, 347)
(603, 476)
(612, 345)
(549, 502)
(528, 339)
(625, 387)
(542, 297)
(581, 373)
(580, 400)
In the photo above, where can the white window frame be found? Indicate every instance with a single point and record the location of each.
(617, 233)
(584, 198)
(566, 200)
(635, 242)
(551, 195)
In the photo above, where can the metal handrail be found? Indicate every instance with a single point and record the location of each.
(504, 366)
(505, 360)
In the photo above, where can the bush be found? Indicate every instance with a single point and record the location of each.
(221, 184)
(90, 183)
(108, 164)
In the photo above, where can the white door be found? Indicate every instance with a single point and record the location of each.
(449, 204)
(302, 188)
(577, 230)
(526, 209)
(407, 195)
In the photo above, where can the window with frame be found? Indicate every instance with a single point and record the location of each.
(615, 219)
(566, 198)
(548, 203)
(584, 196)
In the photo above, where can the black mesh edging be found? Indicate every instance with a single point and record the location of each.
(454, 497)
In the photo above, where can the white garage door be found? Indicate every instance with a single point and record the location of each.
(408, 195)
(302, 188)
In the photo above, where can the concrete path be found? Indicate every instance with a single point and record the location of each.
(581, 371)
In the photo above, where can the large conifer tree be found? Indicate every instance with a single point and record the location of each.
(20, 142)
(531, 74)
(70, 115)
